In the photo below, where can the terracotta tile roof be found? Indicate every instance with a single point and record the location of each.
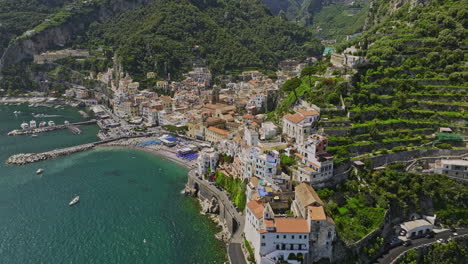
(307, 195)
(299, 155)
(295, 118)
(269, 223)
(215, 106)
(291, 225)
(308, 169)
(314, 164)
(308, 112)
(218, 130)
(248, 116)
(254, 180)
(213, 119)
(317, 213)
(256, 208)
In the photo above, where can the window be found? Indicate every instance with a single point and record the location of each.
(284, 236)
(263, 244)
(277, 247)
(292, 237)
(300, 236)
(277, 236)
(263, 236)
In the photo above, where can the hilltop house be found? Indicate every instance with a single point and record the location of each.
(300, 124)
(316, 166)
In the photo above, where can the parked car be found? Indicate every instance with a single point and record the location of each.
(430, 235)
(407, 243)
(402, 232)
(455, 234)
(453, 229)
(440, 240)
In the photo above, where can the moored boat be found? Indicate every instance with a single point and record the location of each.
(74, 201)
(39, 171)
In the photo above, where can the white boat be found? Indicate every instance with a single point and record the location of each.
(42, 124)
(24, 125)
(66, 123)
(32, 124)
(39, 171)
(51, 123)
(34, 135)
(74, 201)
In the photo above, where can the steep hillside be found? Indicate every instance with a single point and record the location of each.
(339, 20)
(415, 82)
(330, 19)
(165, 36)
(17, 16)
(229, 34)
(300, 11)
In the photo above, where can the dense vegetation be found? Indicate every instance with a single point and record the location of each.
(452, 252)
(300, 11)
(166, 37)
(336, 21)
(358, 205)
(235, 187)
(414, 83)
(18, 16)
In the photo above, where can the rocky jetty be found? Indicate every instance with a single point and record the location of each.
(25, 158)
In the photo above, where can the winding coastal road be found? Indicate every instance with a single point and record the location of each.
(397, 251)
(235, 253)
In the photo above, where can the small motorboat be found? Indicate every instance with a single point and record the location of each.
(39, 171)
(34, 135)
(74, 201)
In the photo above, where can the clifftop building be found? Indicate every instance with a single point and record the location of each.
(300, 124)
(316, 164)
(307, 236)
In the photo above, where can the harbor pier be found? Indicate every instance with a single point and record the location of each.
(72, 126)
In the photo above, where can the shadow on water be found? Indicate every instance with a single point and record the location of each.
(132, 181)
(112, 173)
(146, 189)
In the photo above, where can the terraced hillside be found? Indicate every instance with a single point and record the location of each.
(414, 83)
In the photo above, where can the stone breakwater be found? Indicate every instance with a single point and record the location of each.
(25, 158)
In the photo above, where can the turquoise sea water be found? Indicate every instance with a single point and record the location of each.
(131, 209)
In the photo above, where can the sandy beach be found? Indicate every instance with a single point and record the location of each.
(159, 150)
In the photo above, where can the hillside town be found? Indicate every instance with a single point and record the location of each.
(230, 121)
(224, 132)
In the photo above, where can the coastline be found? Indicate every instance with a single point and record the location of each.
(162, 153)
(223, 235)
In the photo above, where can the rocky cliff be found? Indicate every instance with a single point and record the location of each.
(23, 48)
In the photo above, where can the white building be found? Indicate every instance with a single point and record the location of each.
(453, 168)
(266, 165)
(316, 164)
(300, 124)
(152, 116)
(251, 136)
(207, 160)
(268, 130)
(418, 227)
(274, 239)
(308, 205)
